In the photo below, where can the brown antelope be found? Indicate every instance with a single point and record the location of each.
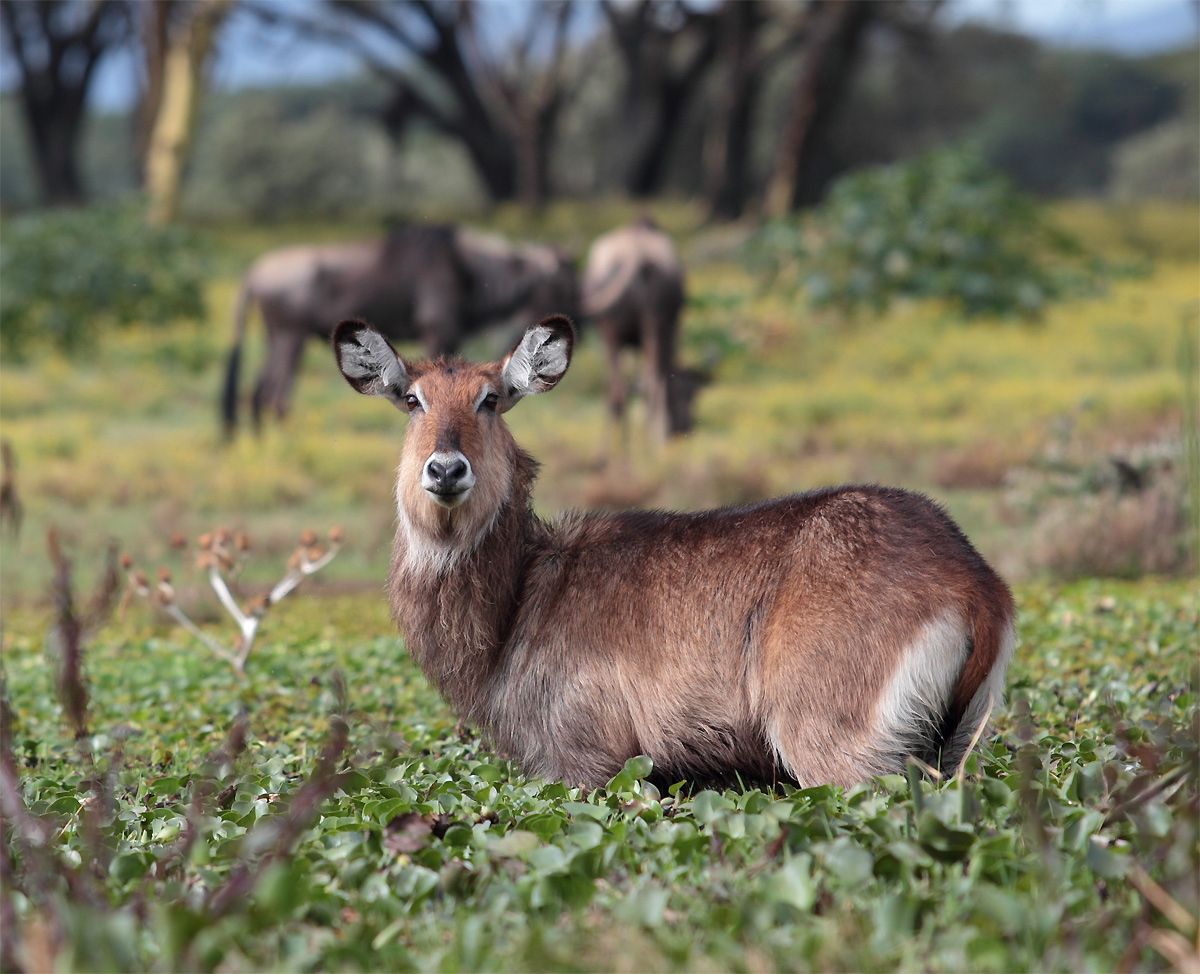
(820, 637)
(632, 289)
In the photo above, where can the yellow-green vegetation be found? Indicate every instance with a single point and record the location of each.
(123, 443)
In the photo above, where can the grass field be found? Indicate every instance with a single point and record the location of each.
(1071, 844)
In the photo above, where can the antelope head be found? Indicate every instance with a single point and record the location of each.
(459, 460)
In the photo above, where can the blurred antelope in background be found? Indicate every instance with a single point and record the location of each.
(633, 292)
(436, 284)
(821, 637)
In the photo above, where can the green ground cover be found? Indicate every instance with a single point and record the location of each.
(1071, 843)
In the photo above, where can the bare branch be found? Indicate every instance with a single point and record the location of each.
(216, 557)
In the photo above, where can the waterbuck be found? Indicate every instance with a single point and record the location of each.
(815, 638)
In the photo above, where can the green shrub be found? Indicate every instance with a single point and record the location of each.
(940, 226)
(68, 275)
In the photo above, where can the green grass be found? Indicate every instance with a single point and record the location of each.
(434, 853)
(431, 853)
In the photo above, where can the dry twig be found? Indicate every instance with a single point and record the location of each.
(222, 553)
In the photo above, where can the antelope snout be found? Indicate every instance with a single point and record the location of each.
(448, 478)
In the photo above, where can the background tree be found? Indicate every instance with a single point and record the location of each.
(834, 51)
(497, 91)
(178, 54)
(832, 43)
(752, 37)
(665, 47)
(56, 45)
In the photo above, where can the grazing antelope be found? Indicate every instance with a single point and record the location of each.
(820, 637)
(632, 289)
(436, 284)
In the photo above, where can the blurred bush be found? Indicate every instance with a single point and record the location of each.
(302, 153)
(941, 226)
(1122, 515)
(1163, 163)
(69, 274)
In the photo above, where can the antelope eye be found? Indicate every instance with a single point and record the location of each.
(490, 401)
(412, 403)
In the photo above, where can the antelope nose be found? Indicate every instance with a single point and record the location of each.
(446, 475)
(448, 478)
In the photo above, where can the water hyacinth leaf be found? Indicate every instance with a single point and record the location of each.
(413, 883)
(388, 934)
(847, 863)
(646, 906)
(457, 836)
(585, 834)
(574, 889)
(1104, 861)
(709, 805)
(166, 785)
(895, 918)
(176, 926)
(490, 773)
(279, 889)
(793, 884)
(544, 825)
(944, 842)
(600, 813)
(1003, 908)
(127, 867)
(639, 767)
(621, 782)
(516, 843)
(547, 859)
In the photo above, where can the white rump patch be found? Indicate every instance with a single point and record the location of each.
(989, 696)
(920, 688)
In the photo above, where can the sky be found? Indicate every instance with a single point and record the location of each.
(251, 55)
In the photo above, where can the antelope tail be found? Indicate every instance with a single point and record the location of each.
(981, 683)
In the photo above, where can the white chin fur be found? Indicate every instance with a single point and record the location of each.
(449, 501)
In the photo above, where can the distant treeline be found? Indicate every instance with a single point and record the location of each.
(1060, 123)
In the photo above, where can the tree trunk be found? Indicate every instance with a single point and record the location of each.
(154, 51)
(727, 152)
(182, 81)
(825, 73)
(56, 54)
(534, 141)
(55, 125)
(656, 95)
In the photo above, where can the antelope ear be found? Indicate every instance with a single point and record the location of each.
(369, 362)
(538, 360)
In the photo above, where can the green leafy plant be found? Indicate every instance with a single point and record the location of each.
(940, 226)
(70, 274)
(170, 816)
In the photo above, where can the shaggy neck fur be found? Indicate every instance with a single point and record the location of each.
(456, 599)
